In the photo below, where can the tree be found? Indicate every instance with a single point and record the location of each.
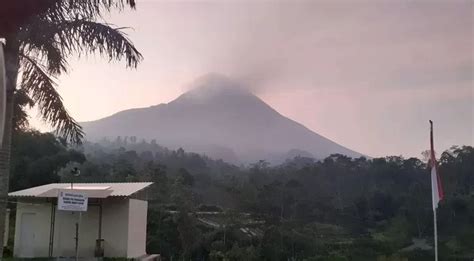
(183, 198)
(37, 46)
(37, 158)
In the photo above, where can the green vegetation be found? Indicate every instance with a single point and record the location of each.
(335, 209)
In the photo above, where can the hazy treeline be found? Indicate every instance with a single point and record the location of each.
(338, 208)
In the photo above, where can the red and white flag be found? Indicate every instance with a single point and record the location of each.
(436, 187)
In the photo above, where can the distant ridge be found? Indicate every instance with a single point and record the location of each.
(221, 119)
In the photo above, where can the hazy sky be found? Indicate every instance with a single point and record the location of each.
(366, 74)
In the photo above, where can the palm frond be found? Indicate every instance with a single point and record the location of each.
(83, 36)
(79, 36)
(41, 88)
(40, 40)
(85, 9)
(48, 52)
(20, 116)
(68, 27)
(43, 38)
(15, 14)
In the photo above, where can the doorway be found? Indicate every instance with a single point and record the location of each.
(27, 235)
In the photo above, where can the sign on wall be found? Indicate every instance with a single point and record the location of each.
(72, 201)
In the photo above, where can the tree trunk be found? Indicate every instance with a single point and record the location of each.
(12, 66)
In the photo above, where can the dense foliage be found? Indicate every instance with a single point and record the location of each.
(37, 158)
(335, 209)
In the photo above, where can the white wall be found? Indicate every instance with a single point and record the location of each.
(123, 229)
(40, 228)
(65, 232)
(115, 227)
(137, 220)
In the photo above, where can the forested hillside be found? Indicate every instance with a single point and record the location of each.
(339, 208)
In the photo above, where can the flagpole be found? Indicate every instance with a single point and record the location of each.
(435, 235)
(435, 223)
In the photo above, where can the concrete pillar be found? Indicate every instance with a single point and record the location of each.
(7, 228)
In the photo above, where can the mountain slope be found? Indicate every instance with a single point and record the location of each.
(222, 120)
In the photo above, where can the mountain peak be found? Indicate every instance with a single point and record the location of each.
(219, 117)
(215, 80)
(215, 85)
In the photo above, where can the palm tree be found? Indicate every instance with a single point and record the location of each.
(39, 37)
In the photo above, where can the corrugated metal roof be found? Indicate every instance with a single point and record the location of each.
(118, 189)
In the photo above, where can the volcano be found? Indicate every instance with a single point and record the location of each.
(219, 118)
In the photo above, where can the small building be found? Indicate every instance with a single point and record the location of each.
(114, 224)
